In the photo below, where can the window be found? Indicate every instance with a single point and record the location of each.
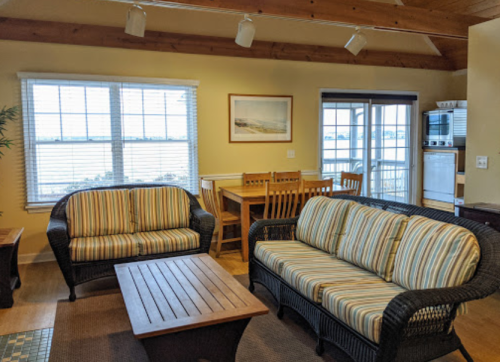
(369, 134)
(85, 133)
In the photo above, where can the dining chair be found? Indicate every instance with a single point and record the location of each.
(315, 188)
(288, 176)
(352, 180)
(223, 218)
(256, 179)
(281, 200)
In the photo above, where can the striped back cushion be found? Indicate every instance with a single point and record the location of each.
(434, 254)
(160, 208)
(371, 239)
(321, 222)
(99, 213)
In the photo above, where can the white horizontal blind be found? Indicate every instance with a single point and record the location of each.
(90, 133)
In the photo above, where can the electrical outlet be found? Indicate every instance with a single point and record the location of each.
(482, 162)
(290, 154)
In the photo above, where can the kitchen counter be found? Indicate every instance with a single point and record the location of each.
(437, 148)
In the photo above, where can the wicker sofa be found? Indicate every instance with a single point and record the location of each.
(92, 230)
(383, 281)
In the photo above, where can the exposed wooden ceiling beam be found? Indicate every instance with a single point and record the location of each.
(381, 16)
(113, 37)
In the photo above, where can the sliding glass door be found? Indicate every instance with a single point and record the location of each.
(369, 136)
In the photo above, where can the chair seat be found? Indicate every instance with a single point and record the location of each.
(274, 253)
(361, 306)
(230, 216)
(167, 241)
(311, 277)
(95, 248)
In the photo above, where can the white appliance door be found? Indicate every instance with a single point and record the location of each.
(439, 176)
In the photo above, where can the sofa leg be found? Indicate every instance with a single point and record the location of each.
(320, 348)
(280, 312)
(251, 286)
(72, 294)
(466, 354)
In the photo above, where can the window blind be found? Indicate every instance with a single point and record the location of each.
(89, 132)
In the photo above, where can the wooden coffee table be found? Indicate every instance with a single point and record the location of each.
(186, 308)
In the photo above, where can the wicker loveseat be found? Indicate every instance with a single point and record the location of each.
(92, 230)
(383, 281)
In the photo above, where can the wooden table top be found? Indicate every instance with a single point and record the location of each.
(175, 294)
(9, 237)
(260, 191)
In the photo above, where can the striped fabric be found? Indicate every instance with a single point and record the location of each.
(167, 241)
(321, 222)
(103, 248)
(371, 239)
(311, 277)
(434, 254)
(160, 208)
(361, 306)
(99, 213)
(274, 253)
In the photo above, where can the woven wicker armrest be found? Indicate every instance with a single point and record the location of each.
(57, 233)
(273, 229)
(204, 224)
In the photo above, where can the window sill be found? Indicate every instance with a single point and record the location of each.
(39, 208)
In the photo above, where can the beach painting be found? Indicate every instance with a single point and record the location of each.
(254, 118)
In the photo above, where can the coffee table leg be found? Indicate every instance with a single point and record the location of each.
(217, 343)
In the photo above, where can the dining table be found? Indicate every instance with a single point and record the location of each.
(246, 196)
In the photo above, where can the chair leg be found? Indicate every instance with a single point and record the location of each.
(219, 241)
(466, 354)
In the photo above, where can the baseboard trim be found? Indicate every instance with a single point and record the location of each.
(239, 176)
(36, 258)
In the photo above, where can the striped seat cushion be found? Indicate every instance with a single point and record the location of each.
(361, 306)
(160, 208)
(167, 241)
(371, 239)
(321, 222)
(311, 277)
(274, 253)
(434, 254)
(107, 247)
(99, 213)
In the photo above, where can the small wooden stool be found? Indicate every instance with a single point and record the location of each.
(9, 273)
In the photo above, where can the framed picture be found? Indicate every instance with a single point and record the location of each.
(257, 119)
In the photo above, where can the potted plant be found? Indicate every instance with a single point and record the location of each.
(6, 115)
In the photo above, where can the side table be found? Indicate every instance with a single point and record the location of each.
(9, 273)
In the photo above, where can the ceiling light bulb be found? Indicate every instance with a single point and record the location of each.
(357, 42)
(246, 32)
(136, 21)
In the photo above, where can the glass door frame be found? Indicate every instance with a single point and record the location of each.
(413, 136)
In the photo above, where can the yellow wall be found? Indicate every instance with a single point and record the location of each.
(483, 128)
(218, 76)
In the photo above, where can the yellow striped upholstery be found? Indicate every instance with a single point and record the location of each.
(371, 239)
(433, 254)
(321, 222)
(98, 213)
(311, 277)
(160, 208)
(167, 241)
(361, 306)
(107, 247)
(274, 253)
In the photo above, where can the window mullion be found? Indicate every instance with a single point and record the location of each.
(116, 134)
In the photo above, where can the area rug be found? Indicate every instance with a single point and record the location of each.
(97, 329)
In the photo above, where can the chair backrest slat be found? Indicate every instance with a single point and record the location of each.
(209, 195)
(316, 188)
(288, 176)
(352, 180)
(256, 179)
(284, 196)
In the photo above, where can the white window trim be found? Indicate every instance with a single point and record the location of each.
(34, 208)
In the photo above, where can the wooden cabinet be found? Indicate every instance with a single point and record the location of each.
(488, 214)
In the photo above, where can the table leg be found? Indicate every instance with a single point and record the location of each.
(245, 227)
(6, 300)
(14, 269)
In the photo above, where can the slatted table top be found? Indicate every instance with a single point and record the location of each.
(175, 294)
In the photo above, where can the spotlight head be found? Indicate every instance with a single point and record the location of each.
(246, 32)
(356, 43)
(136, 21)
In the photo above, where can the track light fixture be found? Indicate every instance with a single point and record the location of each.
(136, 21)
(357, 42)
(246, 32)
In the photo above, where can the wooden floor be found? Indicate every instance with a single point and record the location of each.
(43, 285)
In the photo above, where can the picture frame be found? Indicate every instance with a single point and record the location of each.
(260, 118)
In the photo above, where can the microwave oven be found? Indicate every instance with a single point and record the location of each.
(445, 127)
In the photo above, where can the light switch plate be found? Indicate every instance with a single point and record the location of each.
(290, 153)
(482, 162)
